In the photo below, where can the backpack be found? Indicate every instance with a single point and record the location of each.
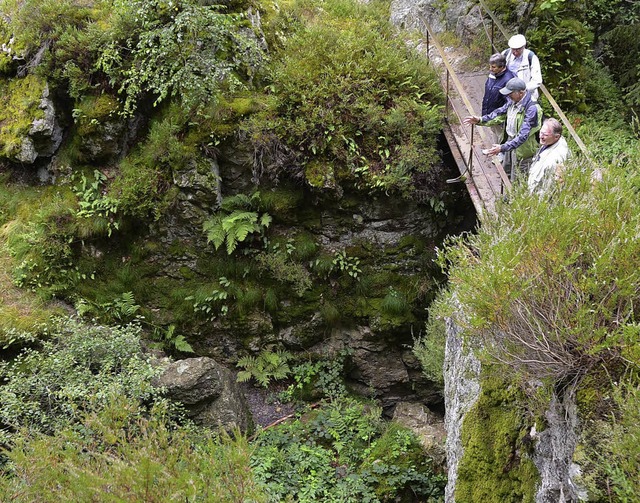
(506, 53)
(541, 118)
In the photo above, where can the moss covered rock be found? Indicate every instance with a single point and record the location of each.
(28, 125)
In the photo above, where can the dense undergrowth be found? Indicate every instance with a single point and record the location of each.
(357, 111)
(549, 291)
(151, 95)
(81, 421)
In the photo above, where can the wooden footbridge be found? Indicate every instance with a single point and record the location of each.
(483, 176)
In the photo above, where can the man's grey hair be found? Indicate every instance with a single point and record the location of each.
(555, 125)
(498, 60)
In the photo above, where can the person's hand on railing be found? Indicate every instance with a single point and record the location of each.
(471, 119)
(494, 150)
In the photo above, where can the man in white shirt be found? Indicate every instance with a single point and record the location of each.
(524, 63)
(548, 163)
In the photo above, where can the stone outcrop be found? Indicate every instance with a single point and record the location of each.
(428, 427)
(207, 390)
(45, 134)
(461, 390)
(554, 450)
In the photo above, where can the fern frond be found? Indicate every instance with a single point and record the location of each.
(246, 362)
(241, 231)
(237, 201)
(215, 231)
(181, 344)
(232, 243)
(243, 376)
(238, 216)
(265, 220)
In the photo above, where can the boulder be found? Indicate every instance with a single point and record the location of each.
(208, 391)
(428, 427)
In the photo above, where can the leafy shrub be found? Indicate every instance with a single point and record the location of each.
(622, 42)
(357, 107)
(129, 453)
(555, 287)
(323, 378)
(40, 238)
(188, 50)
(564, 46)
(77, 370)
(344, 452)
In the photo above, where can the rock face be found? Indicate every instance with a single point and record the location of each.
(554, 452)
(208, 391)
(461, 390)
(45, 134)
(460, 17)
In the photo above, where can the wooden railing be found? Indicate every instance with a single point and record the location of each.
(451, 77)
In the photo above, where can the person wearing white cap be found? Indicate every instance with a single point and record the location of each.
(524, 63)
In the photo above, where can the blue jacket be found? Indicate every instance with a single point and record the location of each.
(492, 98)
(528, 121)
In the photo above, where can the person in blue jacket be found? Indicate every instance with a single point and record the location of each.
(499, 75)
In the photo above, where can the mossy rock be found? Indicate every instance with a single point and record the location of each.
(496, 465)
(20, 106)
(99, 127)
(320, 175)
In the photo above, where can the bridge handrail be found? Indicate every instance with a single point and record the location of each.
(506, 182)
(544, 90)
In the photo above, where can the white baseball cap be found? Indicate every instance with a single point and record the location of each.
(517, 41)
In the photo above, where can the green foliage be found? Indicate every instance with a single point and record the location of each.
(185, 49)
(212, 303)
(554, 298)
(142, 187)
(40, 237)
(611, 139)
(121, 310)
(394, 303)
(345, 264)
(344, 452)
(349, 103)
(267, 366)
(622, 42)
(94, 207)
(564, 46)
(430, 348)
(323, 378)
(77, 370)
(621, 454)
(232, 225)
(171, 340)
(138, 454)
(284, 269)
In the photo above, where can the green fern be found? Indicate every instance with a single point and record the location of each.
(214, 231)
(267, 366)
(170, 340)
(235, 227)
